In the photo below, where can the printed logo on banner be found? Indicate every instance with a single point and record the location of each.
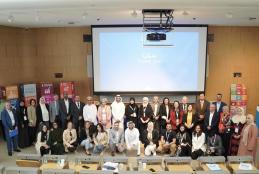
(67, 87)
(11, 92)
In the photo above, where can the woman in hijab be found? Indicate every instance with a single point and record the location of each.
(32, 118)
(248, 138)
(145, 115)
(238, 121)
(41, 145)
(131, 112)
(150, 139)
(225, 129)
(23, 138)
(183, 141)
(55, 140)
(42, 111)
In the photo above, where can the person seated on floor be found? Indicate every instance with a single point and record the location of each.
(150, 139)
(214, 145)
(100, 139)
(41, 145)
(167, 143)
(116, 138)
(55, 140)
(198, 143)
(86, 137)
(132, 138)
(183, 141)
(70, 138)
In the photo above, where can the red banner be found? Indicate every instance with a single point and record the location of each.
(67, 87)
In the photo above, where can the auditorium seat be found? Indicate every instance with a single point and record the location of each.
(178, 164)
(21, 170)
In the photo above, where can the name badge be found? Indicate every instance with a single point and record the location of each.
(236, 130)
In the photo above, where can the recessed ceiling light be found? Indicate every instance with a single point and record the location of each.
(10, 18)
(84, 15)
(185, 13)
(134, 13)
(229, 15)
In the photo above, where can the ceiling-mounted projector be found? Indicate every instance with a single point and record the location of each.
(156, 36)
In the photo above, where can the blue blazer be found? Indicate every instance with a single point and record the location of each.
(6, 120)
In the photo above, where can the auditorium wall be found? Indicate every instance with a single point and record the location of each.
(34, 55)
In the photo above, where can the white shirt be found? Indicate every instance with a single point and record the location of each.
(90, 113)
(45, 112)
(118, 111)
(78, 105)
(210, 119)
(11, 117)
(218, 106)
(155, 111)
(198, 142)
(67, 105)
(131, 137)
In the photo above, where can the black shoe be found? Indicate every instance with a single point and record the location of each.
(17, 150)
(10, 153)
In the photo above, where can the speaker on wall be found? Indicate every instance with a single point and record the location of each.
(87, 38)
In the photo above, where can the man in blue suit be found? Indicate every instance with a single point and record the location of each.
(9, 121)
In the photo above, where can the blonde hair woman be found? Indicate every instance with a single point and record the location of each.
(150, 139)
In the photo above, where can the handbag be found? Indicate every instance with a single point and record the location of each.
(13, 133)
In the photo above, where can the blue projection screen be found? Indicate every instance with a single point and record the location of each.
(124, 61)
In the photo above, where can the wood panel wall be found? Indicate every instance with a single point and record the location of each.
(34, 55)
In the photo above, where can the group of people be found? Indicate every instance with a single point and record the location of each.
(177, 129)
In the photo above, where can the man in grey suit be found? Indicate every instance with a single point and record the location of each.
(116, 138)
(54, 110)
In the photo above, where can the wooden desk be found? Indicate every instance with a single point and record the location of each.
(179, 168)
(52, 165)
(222, 166)
(235, 166)
(28, 163)
(156, 167)
(78, 168)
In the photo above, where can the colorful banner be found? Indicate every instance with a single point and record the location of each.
(67, 87)
(29, 92)
(11, 92)
(238, 97)
(47, 91)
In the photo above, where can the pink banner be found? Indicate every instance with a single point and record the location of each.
(47, 91)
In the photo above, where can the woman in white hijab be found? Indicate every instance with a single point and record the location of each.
(248, 139)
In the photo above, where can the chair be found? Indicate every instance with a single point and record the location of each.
(28, 160)
(220, 160)
(134, 172)
(234, 161)
(151, 164)
(22, 170)
(58, 171)
(212, 172)
(53, 158)
(167, 172)
(91, 162)
(51, 161)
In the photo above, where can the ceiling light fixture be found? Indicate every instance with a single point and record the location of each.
(84, 15)
(229, 15)
(134, 13)
(10, 18)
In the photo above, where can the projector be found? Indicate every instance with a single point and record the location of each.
(156, 36)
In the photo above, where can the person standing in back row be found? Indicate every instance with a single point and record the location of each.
(65, 106)
(201, 107)
(77, 114)
(54, 110)
(118, 111)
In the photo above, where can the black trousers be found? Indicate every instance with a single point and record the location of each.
(197, 153)
(43, 150)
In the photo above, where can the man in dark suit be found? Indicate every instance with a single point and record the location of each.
(201, 106)
(10, 122)
(65, 107)
(219, 104)
(184, 104)
(211, 121)
(77, 114)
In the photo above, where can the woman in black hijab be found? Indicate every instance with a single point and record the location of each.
(23, 138)
(131, 112)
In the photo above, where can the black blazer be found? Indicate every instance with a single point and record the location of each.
(222, 104)
(63, 110)
(202, 110)
(214, 122)
(39, 113)
(194, 116)
(155, 138)
(83, 135)
(75, 112)
(148, 112)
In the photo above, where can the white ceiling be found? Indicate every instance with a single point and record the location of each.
(58, 13)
